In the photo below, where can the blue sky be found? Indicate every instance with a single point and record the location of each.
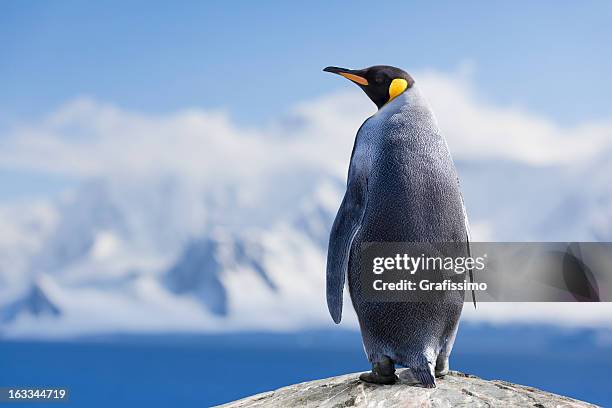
(257, 59)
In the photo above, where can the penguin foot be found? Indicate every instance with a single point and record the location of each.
(383, 372)
(375, 378)
(441, 373)
(441, 367)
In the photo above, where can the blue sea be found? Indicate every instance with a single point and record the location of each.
(203, 370)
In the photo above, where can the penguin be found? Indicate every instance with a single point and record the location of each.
(402, 186)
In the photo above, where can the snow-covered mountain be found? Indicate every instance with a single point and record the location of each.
(167, 257)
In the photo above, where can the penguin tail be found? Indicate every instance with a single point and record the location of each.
(425, 376)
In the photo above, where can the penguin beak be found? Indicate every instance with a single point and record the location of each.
(354, 75)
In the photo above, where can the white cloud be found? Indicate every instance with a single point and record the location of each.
(476, 129)
(87, 138)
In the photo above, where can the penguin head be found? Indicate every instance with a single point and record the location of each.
(382, 83)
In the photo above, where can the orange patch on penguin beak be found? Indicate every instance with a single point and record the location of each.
(355, 78)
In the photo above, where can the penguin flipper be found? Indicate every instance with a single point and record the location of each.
(345, 228)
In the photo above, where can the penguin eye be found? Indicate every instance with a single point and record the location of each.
(379, 79)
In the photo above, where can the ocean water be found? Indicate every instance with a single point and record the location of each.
(203, 370)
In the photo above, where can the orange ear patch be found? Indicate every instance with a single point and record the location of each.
(355, 78)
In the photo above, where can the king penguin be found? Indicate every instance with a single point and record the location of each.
(402, 187)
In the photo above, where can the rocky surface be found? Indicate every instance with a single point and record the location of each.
(455, 390)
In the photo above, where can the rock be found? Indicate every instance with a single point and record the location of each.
(455, 390)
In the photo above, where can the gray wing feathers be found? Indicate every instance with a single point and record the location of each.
(346, 226)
